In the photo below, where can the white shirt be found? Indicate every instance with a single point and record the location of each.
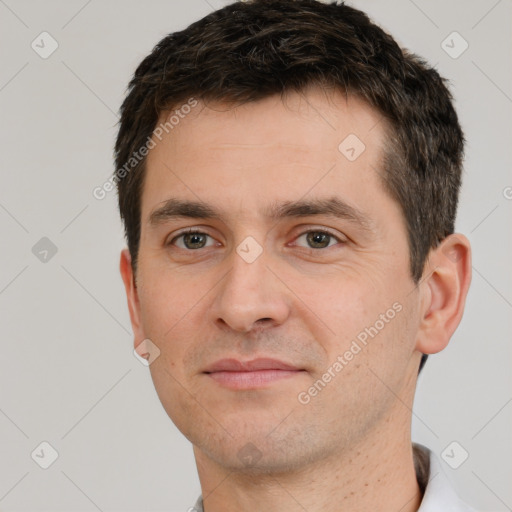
(438, 496)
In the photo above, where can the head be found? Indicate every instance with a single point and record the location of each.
(307, 138)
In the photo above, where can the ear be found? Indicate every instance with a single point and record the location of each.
(125, 267)
(443, 288)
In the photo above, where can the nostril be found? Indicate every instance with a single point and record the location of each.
(262, 322)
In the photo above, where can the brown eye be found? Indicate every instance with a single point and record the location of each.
(191, 240)
(318, 239)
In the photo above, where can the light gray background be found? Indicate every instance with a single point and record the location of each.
(67, 372)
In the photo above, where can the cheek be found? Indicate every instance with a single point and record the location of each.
(169, 312)
(344, 303)
(167, 315)
(367, 315)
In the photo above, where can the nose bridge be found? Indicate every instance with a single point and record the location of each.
(250, 291)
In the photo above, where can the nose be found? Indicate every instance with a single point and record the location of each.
(250, 296)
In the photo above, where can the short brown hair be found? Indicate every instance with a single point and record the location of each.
(250, 50)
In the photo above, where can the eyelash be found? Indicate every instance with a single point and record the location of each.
(192, 231)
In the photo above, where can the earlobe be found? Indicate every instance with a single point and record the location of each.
(126, 269)
(444, 288)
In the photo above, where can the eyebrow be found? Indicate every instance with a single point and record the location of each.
(174, 208)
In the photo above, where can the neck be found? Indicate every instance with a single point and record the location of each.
(377, 473)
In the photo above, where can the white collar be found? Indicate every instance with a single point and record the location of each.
(439, 494)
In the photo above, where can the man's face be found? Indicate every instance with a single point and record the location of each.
(253, 286)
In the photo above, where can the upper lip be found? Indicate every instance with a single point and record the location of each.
(234, 365)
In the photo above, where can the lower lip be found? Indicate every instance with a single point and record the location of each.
(251, 380)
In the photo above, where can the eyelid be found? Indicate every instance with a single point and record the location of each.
(306, 228)
(342, 239)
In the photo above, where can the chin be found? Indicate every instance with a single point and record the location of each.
(257, 449)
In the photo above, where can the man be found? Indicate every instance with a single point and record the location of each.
(288, 179)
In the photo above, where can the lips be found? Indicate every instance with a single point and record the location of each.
(233, 365)
(235, 374)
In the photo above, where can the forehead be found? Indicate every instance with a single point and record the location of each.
(308, 116)
(276, 148)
